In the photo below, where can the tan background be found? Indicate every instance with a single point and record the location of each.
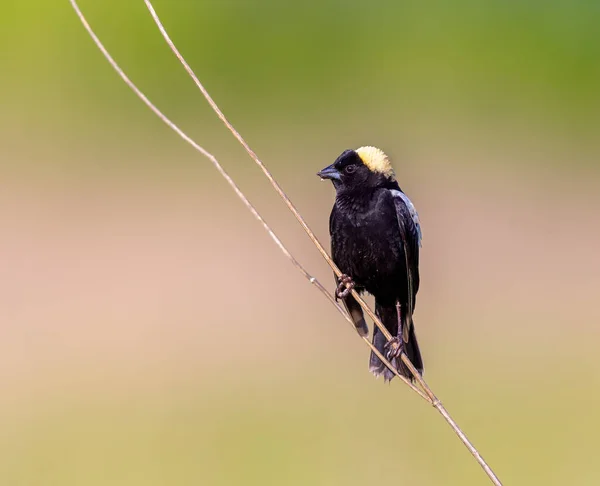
(151, 333)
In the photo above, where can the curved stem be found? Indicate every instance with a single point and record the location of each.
(428, 395)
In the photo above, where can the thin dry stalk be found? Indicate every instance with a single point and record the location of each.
(432, 398)
(428, 395)
(236, 189)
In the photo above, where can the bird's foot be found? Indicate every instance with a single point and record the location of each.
(344, 287)
(394, 347)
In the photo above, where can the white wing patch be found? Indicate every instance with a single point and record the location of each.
(412, 211)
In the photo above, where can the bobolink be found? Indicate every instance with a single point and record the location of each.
(375, 240)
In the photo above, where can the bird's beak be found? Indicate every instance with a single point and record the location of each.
(330, 173)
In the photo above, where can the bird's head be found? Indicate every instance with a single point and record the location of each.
(360, 169)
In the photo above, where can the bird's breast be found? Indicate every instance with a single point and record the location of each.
(368, 248)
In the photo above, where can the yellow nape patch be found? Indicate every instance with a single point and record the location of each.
(376, 160)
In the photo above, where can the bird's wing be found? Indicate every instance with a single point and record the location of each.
(410, 232)
(411, 211)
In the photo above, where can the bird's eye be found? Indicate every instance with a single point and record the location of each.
(350, 169)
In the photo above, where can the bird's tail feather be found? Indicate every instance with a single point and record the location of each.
(413, 352)
(411, 348)
(376, 366)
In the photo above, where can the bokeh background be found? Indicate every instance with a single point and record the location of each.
(152, 334)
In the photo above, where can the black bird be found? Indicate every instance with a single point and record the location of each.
(375, 240)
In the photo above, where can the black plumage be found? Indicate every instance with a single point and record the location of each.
(375, 240)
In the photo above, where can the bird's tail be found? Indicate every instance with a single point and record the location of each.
(411, 348)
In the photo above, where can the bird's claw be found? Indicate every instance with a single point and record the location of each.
(395, 347)
(344, 287)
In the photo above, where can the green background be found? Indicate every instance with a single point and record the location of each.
(152, 334)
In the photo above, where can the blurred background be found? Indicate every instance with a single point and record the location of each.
(152, 334)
